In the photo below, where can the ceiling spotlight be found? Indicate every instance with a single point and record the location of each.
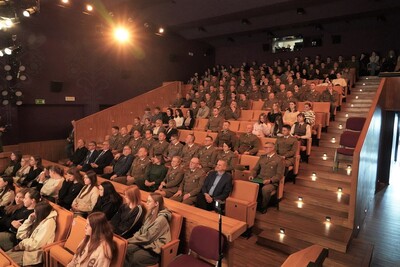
(161, 30)
(1, 53)
(282, 231)
(29, 11)
(8, 77)
(328, 219)
(12, 49)
(7, 67)
(22, 77)
(18, 102)
(8, 50)
(89, 8)
(121, 34)
(22, 68)
(8, 23)
(4, 93)
(65, 1)
(18, 93)
(5, 102)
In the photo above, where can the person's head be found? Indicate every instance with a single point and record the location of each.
(136, 120)
(142, 152)
(227, 146)
(97, 230)
(56, 172)
(169, 112)
(189, 114)
(271, 96)
(289, 94)
(157, 160)
(127, 150)
(226, 125)
(269, 148)
(80, 143)
(147, 121)
(158, 123)
(300, 117)
(208, 140)
(249, 128)
(307, 106)
(123, 131)
(106, 189)
(194, 163)
(202, 103)
(338, 75)
(286, 130)
(148, 134)
(7, 184)
(155, 203)
(41, 211)
(19, 197)
(178, 112)
(132, 196)
(189, 139)
(233, 105)
(35, 161)
(312, 86)
(292, 106)
(25, 160)
(92, 145)
(176, 161)
(161, 136)
(137, 134)
(221, 166)
(15, 156)
(261, 118)
(114, 130)
(90, 178)
(172, 124)
(157, 110)
(31, 198)
(218, 103)
(74, 175)
(276, 108)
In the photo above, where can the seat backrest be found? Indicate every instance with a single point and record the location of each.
(183, 134)
(246, 115)
(355, 123)
(243, 125)
(257, 113)
(349, 139)
(234, 126)
(199, 137)
(63, 222)
(257, 105)
(119, 257)
(204, 241)
(245, 190)
(249, 160)
(300, 106)
(76, 235)
(202, 123)
(321, 107)
(175, 225)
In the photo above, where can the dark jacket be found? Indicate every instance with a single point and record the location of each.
(105, 205)
(127, 222)
(223, 188)
(68, 192)
(122, 165)
(79, 155)
(20, 214)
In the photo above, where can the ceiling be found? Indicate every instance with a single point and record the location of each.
(212, 21)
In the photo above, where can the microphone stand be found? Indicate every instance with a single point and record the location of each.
(221, 254)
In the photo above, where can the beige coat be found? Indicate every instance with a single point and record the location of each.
(86, 203)
(43, 234)
(7, 198)
(96, 259)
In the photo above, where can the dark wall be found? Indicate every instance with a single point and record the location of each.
(357, 36)
(65, 45)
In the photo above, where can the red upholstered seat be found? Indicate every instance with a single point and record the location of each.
(348, 141)
(345, 151)
(355, 123)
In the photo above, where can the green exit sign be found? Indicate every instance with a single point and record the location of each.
(40, 101)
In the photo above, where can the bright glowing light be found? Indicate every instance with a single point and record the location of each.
(26, 13)
(8, 51)
(324, 156)
(1, 53)
(8, 22)
(121, 34)
(65, 1)
(161, 30)
(89, 7)
(314, 176)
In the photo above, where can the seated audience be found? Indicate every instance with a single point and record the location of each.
(312, 95)
(87, 197)
(148, 140)
(103, 159)
(215, 122)
(225, 135)
(160, 147)
(248, 143)
(309, 113)
(157, 115)
(79, 154)
(170, 185)
(171, 130)
(262, 127)
(70, 188)
(138, 168)
(35, 164)
(267, 173)
(290, 115)
(36, 231)
(217, 186)
(13, 216)
(302, 131)
(136, 126)
(276, 118)
(233, 112)
(114, 138)
(14, 164)
(169, 115)
(189, 150)
(244, 103)
(135, 142)
(268, 103)
(207, 154)
(144, 247)
(108, 201)
(40, 180)
(7, 190)
(174, 149)
(98, 247)
(90, 157)
(179, 117)
(203, 111)
(158, 128)
(192, 183)
(123, 140)
(227, 155)
(189, 121)
(52, 185)
(147, 126)
(23, 171)
(129, 217)
(331, 96)
(121, 163)
(154, 175)
(286, 147)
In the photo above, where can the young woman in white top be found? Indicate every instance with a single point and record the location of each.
(290, 115)
(87, 198)
(51, 186)
(179, 117)
(262, 127)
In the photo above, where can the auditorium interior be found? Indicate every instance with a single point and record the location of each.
(76, 70)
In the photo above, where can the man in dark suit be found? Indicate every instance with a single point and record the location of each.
(217, 186)
(121, 164)
(90, 157)
(103, 159)
(79, 154)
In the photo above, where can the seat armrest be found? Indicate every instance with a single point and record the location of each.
(169, 252)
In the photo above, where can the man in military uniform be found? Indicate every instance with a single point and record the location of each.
(114, 138)
(160, 147)
(137, 170)
(248, 143)
(286, 147)
(173, 179)
(135, 142)
(148, 140)
(174, 149)
(268, 171)
(207, 155)
(136, 126)
(123, 140)
(225, 135)
(271, 100)
(330, 95)
(214, 123)
(189, 150)
(312, 95)
(192, 183)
